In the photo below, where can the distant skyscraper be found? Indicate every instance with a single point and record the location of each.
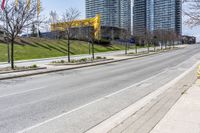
(151, 15)
(125, 14)
(114, 13)
(139, 17)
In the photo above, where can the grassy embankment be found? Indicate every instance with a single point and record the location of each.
(33, 48)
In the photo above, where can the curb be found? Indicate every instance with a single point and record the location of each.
(78, 67)
(115, 120)
(17, 71)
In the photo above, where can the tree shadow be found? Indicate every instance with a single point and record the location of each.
(40, 45)
(55, 48)
(24, 42)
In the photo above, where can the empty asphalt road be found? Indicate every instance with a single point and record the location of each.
(71, 100)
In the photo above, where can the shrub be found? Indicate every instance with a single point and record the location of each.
(98, 57)
(73, 61)
(83, 60)
(34, 66)
(62, 61)
(103, 42)
(131, 53)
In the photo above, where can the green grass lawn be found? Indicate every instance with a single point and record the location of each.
(33, 48)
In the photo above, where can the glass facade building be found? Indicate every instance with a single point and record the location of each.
(114, 13)
(151, 15)
(139, 17)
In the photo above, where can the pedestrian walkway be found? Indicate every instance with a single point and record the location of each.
(184, 116)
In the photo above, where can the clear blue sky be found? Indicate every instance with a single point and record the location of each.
(61, 5)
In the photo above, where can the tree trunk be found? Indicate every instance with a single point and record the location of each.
(12, 54)
(126, 49)
(136, 48)
(89, 48)
(148, 48)
(68, 50)
(8, 48)
(93, 50)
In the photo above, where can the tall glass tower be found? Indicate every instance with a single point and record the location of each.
(151, 15)
(139, 17)
(114, 13)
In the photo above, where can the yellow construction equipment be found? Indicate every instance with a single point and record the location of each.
(94, 22)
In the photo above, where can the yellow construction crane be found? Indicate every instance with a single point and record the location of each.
(94, 22)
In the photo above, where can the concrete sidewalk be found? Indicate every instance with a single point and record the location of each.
(184, 116)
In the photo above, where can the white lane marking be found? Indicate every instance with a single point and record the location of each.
(76, 109)
(22, 92)
(100, 99)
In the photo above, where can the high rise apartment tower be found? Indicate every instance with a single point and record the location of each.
(114, 13)
(151, 15)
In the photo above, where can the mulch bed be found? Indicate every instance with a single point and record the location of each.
(80, 63)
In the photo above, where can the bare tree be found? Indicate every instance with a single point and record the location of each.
(148, 38)
(41, 24)
(33, 30)
(141, 40)
(137, 41)
(165, 37)
(158, 37)
(69, 18)
(125, 36)
(85, 32)
(161, 37)
(193, 12)
(91, 38)
(17, 19)
(154, 41)
(54, 18)
(172, 37)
